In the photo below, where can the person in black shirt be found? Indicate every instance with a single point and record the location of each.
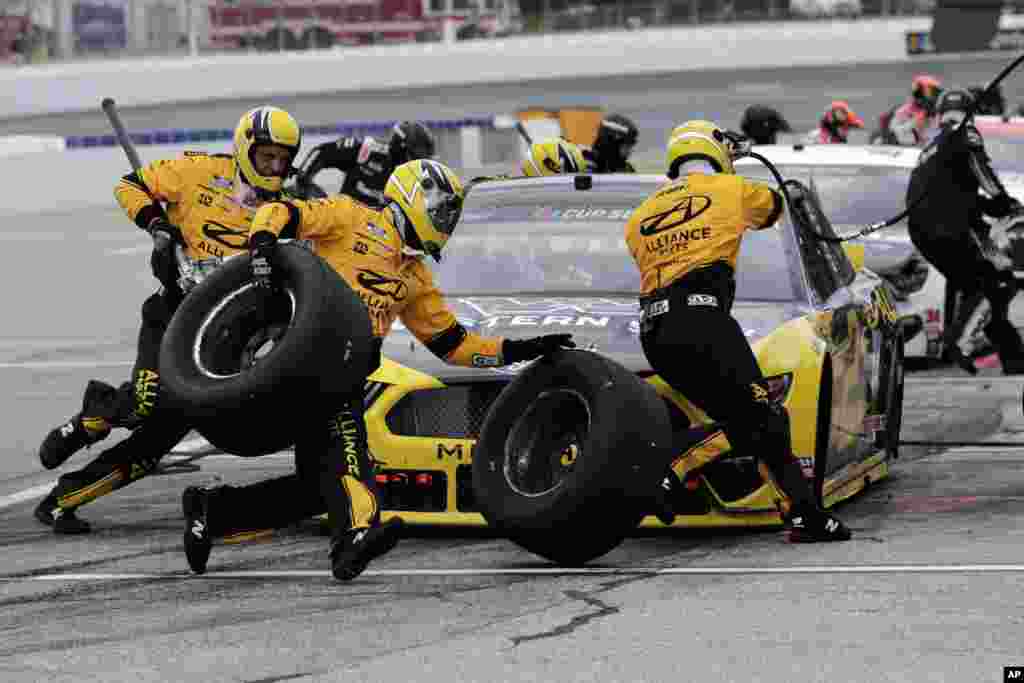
(616, 139)
(763, 124)
(946, 224)
(366, 162)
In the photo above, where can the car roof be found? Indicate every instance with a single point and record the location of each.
(834, 155)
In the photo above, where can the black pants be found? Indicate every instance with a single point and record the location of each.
(333, 474)
(156, 425)
(959, 259)
(700, 350)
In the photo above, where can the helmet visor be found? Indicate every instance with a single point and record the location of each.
(444, 210)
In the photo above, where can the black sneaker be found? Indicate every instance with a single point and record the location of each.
(195, 503)
(816, 528)
(664, 507)
(355, 550)
(72, 436)
(63, 521)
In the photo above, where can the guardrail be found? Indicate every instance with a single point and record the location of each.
(39, 90)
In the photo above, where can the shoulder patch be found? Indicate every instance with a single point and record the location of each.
(196, 154)
(973, 137)
(348, 142)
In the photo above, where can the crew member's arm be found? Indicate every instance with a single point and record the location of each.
(342, 155)
(998, 203)
(432, 322)
(308, 219)
(140, 192)
(762, 205)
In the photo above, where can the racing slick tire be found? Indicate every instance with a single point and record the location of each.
(569, 456)
(246, 364)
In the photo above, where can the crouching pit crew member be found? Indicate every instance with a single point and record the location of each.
(210, 200)
(333, 465)
(685, 239)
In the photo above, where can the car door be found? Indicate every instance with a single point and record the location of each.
(848, 311)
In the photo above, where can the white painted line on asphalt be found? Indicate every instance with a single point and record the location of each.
(63, 364)
(27, 494)
(128, 251)
(966, 380)
(547, 571)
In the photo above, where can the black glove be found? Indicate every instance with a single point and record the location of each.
(515, 350)
(162, 260)
(164, 234)
(262, 249)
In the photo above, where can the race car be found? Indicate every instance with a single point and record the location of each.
(859, 185)
(537, 255)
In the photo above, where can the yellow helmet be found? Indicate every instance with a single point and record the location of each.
(265, 126)
(425, 198)
(698, 140)
(554, 156)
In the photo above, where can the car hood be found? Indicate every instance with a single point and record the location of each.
(608, 325)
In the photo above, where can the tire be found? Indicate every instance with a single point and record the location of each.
(569, 455)
(240, 392)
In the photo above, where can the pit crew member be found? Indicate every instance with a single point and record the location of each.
(946, 223)
(210, 200)
(368, 163)
(616, 139)
(763, 124)
(908, 124)
(552, 157)
(687, 331)
(835, 124)
(381, 256)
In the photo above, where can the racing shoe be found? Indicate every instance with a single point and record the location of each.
(63, 521)
(664, 507)
(816, 527)
(195, 502)
(357, 547)
(72, 436)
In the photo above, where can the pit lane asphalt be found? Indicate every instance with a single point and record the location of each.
(941, 539)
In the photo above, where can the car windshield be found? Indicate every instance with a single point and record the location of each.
(1006, 150)
(851, 196)
(555, 240)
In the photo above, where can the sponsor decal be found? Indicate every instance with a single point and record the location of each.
(233, 238)
(382, 285)
(482, 361)
(682, 212)
(361, 248)
(553, 306)
(221, 183)
(377, 230)
(457, 451)
(542, 321)
(581, 214)
(807, 466)
(677, 241)
(701, 300)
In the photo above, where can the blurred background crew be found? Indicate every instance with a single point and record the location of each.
(835, 124)
(946, 224)
(552, 157)
(910, 121)
(367, 162)
(616, 140)
(763, 124)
